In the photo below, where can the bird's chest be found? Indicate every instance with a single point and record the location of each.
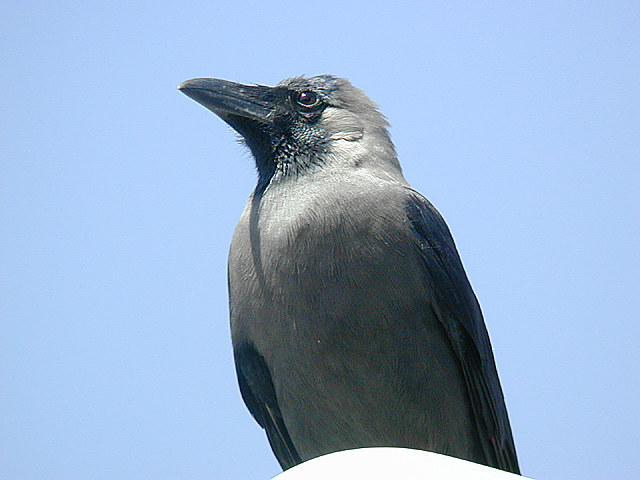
(304, 246)
(311, 259)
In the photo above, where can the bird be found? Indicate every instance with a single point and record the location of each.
(352, 319)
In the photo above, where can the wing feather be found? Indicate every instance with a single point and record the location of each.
(459, 312)
(256, 388)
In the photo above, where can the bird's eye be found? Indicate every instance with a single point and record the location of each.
(307, 99)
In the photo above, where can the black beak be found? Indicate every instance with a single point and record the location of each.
(229, 99)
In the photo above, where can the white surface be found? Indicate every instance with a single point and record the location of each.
(383, 463)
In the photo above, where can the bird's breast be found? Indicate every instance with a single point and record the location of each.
(322, 255)
(300, 246)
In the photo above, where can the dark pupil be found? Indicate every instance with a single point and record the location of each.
(307, 98)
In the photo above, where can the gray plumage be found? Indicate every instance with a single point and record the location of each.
(352, 319)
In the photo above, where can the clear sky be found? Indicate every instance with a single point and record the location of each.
(518, 120)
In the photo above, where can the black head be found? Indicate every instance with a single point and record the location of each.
(298, 125)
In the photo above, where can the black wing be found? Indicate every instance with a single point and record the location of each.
(256, 388)
(459, 312)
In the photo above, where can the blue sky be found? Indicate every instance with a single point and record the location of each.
(518, 120)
